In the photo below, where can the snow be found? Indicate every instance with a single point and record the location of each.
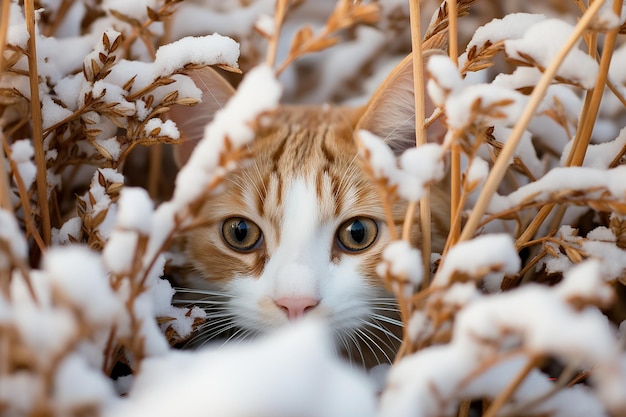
(378, 155)
(79, 275)
(77, 385)
(402, 262)
(22, 153)
(293, 372)
(161, 128)
(445, 78)
(477, 257)
(490, 101)
(265, 24)
(511, 26)
(476, 173)
(559, 179)
(16, 33)
(585, 281)
(201, 50)
(183, 319)
(134, 9)
(258, 92)
(119, 253)
(135, 210)
(11, 236)
(577, 66)
(110, 148)
(599, 155)
(419, 166)
(52, 112)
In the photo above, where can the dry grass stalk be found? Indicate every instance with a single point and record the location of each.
(5, 199)
(40, 157)
(279, 17)
(420, 139)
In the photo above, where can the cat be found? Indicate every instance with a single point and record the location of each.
(299, 229)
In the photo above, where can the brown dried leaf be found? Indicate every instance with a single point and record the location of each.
(302, 36)
(153, 14)
(322, 44)
(106, 42)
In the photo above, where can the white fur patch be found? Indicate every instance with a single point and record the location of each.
(301, 267)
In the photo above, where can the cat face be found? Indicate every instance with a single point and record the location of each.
(298, 229)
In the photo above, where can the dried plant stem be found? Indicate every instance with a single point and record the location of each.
(5, 198)
(581, 141)
(386, 199)
(408, 220)
(564, 380)
(455, 223)
(154, 176)
(4, 27)
(464, 409)
(279, 18)
(420, 132)
(501, 165)
(35, 107)
(28, 217)
(513, 385)
(586, 123)
(455, 159)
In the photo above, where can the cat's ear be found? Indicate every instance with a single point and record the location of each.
(191, 120)
(390, 112)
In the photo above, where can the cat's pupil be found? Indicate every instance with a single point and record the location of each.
(241, 230)
(357, 231)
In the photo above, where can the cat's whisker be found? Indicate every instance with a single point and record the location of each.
(368, 341)
(186, 290)
(385, 307)
(387, 320)
(363, 337)
(376, 325)
(371, 328)
(357, 346)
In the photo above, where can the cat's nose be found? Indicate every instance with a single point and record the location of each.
(295, 307)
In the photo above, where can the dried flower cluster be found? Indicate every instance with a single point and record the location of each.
(519, 315)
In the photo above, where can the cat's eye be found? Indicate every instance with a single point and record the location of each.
(241, 234)
(357, 234)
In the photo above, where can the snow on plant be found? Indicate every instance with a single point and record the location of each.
(522, 306)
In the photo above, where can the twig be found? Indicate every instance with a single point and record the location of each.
(21, 187)
(455, 163)
(420, 132)
(581, 141)
(279, 18)
(35, 107)
(5, 197)
(501, 165)
(154, 176)
(512, 387)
